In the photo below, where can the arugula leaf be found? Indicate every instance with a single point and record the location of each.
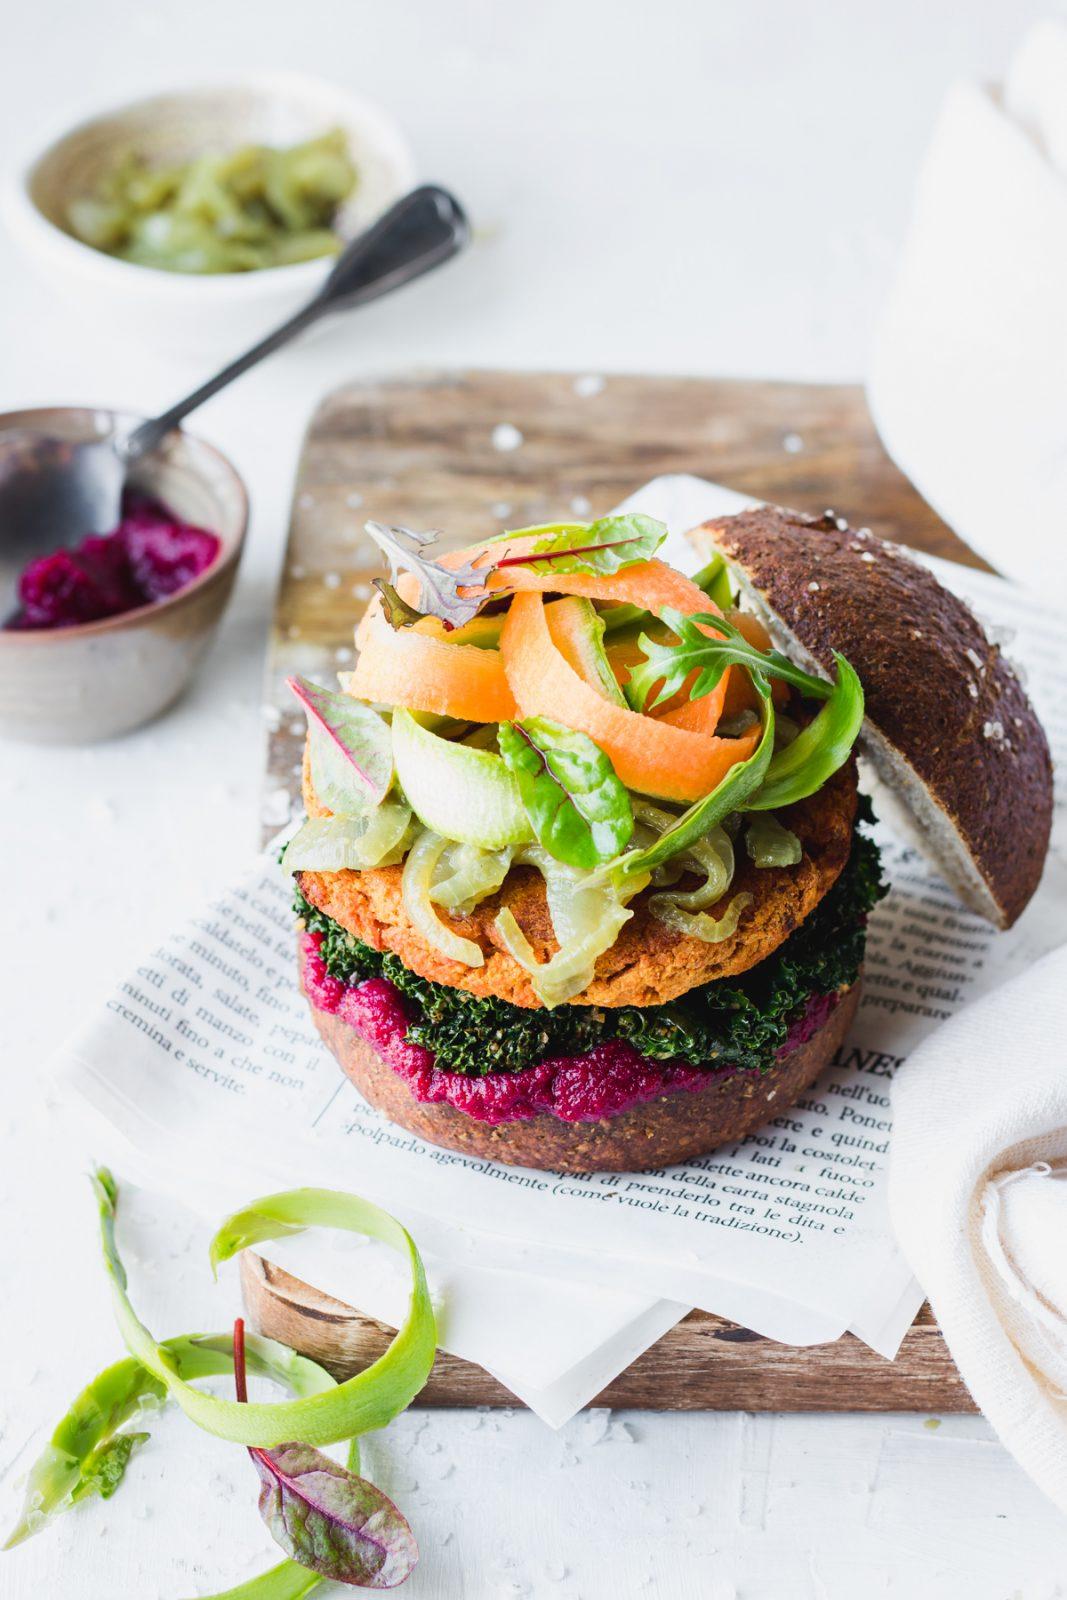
(351, 748)
(818, 750)
(742, 780)
(577, 805)
(670, 664)
(601, 547)
(439, 586)
(325, 1516)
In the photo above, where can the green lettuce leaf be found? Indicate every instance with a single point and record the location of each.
(600, 547)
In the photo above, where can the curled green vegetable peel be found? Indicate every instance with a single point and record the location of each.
(369, 1400)
(90, 1447)
(65, 1472)
(818, 750)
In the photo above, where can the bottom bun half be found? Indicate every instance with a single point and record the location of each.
(673, 1127)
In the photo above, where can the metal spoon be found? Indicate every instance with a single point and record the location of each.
(72, 489)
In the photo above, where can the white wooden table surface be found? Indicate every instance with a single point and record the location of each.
(702, 185)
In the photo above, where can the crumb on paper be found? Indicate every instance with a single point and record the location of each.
(506, 436)
(933, 1423)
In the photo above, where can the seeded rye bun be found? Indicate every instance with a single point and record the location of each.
(949, 728)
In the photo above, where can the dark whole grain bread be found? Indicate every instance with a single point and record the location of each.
(949, 727)
(672, 1127)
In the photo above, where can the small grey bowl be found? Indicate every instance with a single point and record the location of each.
(80, 684)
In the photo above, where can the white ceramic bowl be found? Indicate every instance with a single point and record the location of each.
(77, 685)
(210, 312)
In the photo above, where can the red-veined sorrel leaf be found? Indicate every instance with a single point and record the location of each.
(351, 749)
(602, 547)
(325, 1517)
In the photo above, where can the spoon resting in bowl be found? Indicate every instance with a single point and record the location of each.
(75, 488)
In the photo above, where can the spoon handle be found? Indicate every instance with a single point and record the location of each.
(421, 231)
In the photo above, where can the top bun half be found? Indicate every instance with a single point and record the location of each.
(948, 727)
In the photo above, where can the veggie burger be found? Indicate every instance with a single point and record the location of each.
(584, 882)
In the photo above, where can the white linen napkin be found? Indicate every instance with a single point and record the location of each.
(967, 381)
(967, 391)
(978, 1198)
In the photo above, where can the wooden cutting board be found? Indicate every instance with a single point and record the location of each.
(472, 453)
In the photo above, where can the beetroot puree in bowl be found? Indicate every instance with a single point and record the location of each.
(150, 555)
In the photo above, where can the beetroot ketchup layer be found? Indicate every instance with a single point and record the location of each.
(603, 1082)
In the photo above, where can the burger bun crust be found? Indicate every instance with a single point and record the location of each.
(948, 726)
